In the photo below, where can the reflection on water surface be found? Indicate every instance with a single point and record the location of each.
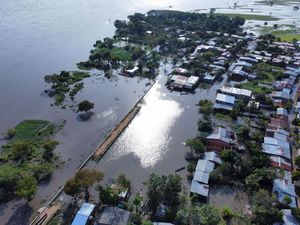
(148, 134)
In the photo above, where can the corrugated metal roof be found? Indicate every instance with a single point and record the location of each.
(114, 216)
(276, 150)
(200, 189)
(278, 142)
(201, 176)
(283, 188)
(205, 165)
(223, 106)
(192, 80)
(288, 218)
(236, 91)
(80, 220)
(213, 157)
(225, 98)
(86, 209)
(221, 133)
(83, 214)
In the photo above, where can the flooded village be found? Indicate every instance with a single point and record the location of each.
(224, 99)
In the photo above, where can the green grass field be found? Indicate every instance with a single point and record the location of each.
(33, 129)
(120, 54)
(251, 16)
(253, 86)
(287, 36)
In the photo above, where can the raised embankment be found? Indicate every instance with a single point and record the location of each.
(115, 133)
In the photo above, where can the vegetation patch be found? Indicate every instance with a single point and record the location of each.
(286, 35)
(266, 74)
(61, 84)
(254, 87)
(33, 130)
(251, 16)
(120, 54)
(26, 159)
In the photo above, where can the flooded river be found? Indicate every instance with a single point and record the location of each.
(39, 37)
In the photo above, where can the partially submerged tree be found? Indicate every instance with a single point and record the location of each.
(205, 215)
(85, 106)
(49, 147)
(82, 182)
(123, 182)
(10, 133)
(164, 190)
(26, 187)
(196, 146)
(21, 150)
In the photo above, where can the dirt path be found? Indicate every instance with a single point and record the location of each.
(48, 213)
(115, 133)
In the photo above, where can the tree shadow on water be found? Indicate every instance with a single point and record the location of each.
(21, 215)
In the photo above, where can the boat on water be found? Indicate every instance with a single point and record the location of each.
(296, 7)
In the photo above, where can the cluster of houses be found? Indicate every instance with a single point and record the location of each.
(219, 140)
(227, 96)
(204, 167)
(277, 145)
(183, 82)
(87, 215)
(285, 88)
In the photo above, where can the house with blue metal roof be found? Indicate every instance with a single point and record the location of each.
(83, 215)
(284, 188)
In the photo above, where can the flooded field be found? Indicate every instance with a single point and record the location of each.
(42, 37)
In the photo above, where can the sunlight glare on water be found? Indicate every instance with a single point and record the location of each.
(148, 135)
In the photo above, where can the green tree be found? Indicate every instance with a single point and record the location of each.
(147, 222)
(296, 175)
(123, 182)
(49, 147)
(234, 114)
(296, 213)
(262, 177)
(182, 217)
(9, 175)
(155, 191)
(173, 187)
(10, 133)
(82, 182)
(243, 132)
(137, 201)
(228, 155)
(287, 200)
(196, 146)
(26, 187)
(205, 215)
(108, 196)
(227, 213)
(21, 150)
(191, 167)
(205, 126)
(264, 208)
(85, 106)
(297, 161)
